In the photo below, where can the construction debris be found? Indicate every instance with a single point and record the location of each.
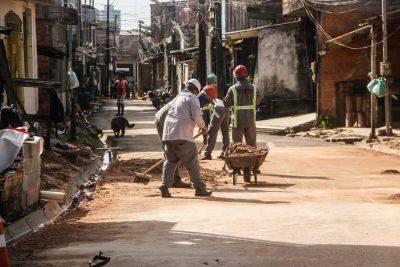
(331, 135)
(242, 149)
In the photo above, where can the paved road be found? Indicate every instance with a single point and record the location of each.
(317, 204)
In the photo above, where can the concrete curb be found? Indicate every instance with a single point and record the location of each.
(46, 215)
(379, 148)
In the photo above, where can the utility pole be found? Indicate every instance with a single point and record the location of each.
(385, 71)
(107, 59)
(373, 76)
(173, 79)
(218, 47)
(115, 43)
(138, 85)
(202, 62)
(71, 90)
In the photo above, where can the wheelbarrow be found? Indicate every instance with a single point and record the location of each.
(247, 162)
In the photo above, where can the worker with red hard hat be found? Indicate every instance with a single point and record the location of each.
(218, 120)
(243, 97)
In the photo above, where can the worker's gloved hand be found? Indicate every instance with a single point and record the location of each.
(205, 139)
(203, 130)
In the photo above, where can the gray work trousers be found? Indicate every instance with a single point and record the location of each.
(218, 123)
(160, 130)
(249, 135)
(186, 152)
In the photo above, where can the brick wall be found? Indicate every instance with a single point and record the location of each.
(345, 64)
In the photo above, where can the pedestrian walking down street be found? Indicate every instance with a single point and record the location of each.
(178, 140)
(219, 120)
(121, 94)
(159, 121)
(243, 97)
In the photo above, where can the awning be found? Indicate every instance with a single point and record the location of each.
(253, 33)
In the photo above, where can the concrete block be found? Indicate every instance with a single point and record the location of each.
(33, 147)
(18, 229)
(32, 165)
(31, 180)
(36, 219)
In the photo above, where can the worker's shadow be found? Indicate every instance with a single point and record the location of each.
(267, 185)
(230, 200)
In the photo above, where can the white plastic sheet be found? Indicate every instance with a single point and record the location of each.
(11, 141)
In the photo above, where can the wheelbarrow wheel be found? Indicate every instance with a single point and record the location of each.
(247, 175)
(234, 178)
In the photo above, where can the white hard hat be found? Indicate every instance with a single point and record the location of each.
(196, 83)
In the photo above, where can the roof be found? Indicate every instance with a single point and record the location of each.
(253, 33)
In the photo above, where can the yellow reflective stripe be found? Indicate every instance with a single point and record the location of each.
(245, 107)
(254, 102)
(235, 107)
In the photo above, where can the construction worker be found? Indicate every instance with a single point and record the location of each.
(219, 120)
(211, 90)
(178, 140)
(243, 97)
(159, 121)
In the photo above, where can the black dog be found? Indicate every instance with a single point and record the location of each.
(119, 124)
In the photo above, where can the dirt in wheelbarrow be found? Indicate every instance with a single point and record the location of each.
(239, 149)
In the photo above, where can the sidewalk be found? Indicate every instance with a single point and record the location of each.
(284, 125)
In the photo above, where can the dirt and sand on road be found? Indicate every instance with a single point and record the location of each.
(316, 204)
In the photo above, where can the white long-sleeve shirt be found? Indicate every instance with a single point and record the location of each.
(182, 117)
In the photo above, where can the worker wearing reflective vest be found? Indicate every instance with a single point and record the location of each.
(219, 120)
(243, 97)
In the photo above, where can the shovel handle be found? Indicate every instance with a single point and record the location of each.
(152, 167)
(197, 135)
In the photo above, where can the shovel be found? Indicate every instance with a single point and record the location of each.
(143, 177)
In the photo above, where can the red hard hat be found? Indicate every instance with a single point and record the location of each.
(240, 71)
(211, 91)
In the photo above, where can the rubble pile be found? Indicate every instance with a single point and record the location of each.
(391, 143)
(61, 163)
(209, 177)
(236, 149)
(129, 167)
(331, 135)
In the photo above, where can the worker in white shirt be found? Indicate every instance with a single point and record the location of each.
(179, 145)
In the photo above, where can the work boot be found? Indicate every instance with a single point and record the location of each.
(221, 156)
(180, 184)
(202, 192)
(165, 192)
(206, 157)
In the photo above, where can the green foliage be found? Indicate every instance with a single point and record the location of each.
(88, 140)
(325, 122)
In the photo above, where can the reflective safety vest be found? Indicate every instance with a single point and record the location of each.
(237, 108)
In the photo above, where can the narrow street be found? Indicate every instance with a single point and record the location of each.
(316, 204)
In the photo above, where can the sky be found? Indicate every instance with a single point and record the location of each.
(131, 11)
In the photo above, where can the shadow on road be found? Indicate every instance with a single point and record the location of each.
(268, 185)
(296, 176)
(238, 200)
(161, 243)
